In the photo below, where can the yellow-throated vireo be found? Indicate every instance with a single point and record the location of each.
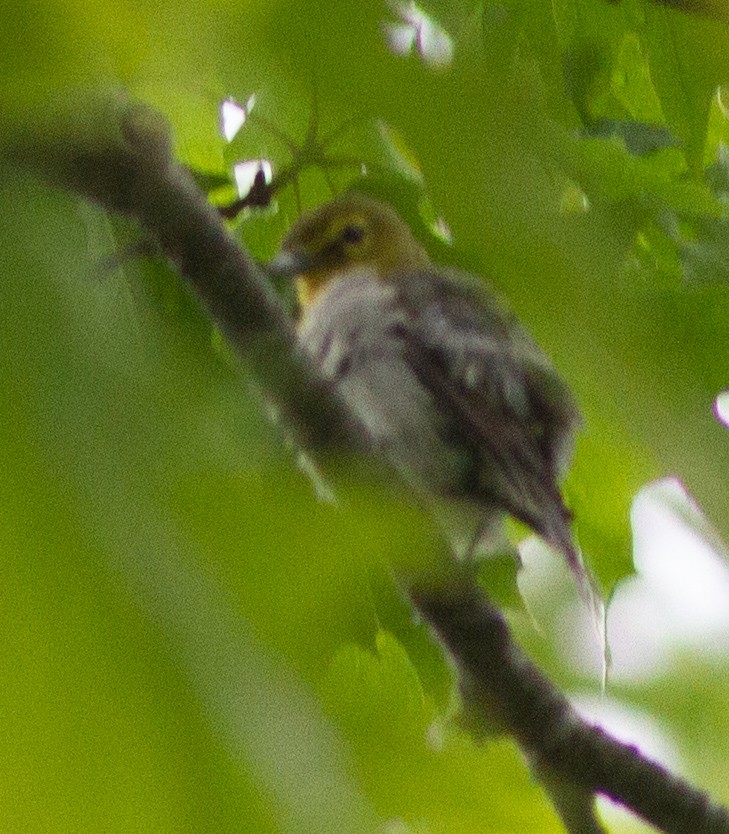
(440, 375)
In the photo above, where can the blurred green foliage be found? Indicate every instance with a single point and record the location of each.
(192, 642)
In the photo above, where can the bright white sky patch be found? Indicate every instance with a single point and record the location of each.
(680, 555)
(678, 601)
(722, 407)
(245, 173)
(640, 633)
(400, 37)
(416, 30)
(631, 726)
(233, 116)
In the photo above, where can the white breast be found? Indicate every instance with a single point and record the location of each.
(355, 333)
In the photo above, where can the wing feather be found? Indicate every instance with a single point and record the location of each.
(485, 374)
(452, 389)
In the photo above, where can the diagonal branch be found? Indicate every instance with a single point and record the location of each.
(127, 166)
(501, 682)
(120, 156)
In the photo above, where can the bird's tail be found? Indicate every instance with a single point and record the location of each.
(560, 537)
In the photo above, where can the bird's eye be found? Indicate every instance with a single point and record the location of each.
(352, 234)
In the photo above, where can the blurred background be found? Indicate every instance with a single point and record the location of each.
(191, 639)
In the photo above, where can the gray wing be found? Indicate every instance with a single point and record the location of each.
(447, 384)
(498, 393)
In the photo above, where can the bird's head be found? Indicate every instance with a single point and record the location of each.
(351, 231)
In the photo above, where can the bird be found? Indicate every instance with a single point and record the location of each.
(439, 374)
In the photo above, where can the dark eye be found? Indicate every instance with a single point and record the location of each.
(352, 234)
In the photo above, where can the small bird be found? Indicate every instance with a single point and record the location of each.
(438, 372)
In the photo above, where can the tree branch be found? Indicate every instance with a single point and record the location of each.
(128, 167)
(119, 155)
(499, 681)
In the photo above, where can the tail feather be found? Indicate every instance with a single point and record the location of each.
(555, 529)
(562, 539)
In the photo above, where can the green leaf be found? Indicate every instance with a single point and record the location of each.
(687, 57)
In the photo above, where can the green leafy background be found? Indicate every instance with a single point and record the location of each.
(193, 642)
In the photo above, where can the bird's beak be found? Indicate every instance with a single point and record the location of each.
(290, 262)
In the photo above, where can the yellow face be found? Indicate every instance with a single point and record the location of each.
(352, 230)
